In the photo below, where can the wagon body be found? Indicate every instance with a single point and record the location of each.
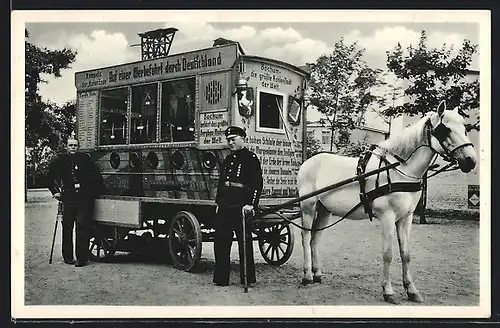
(156, 130)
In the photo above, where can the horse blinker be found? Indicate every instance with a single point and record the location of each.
(441, 132)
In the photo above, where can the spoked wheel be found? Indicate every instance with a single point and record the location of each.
(276, 243)
(102, 244)
(184, 241)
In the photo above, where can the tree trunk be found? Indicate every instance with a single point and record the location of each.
(423, 200)
(331, 140)
(34, 159)
(25, 183)
(333, 129)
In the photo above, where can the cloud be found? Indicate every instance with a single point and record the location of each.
(280, 35)
(298, 53)
(102, 48)
(384, 39)
(98, 49)
(274, 42)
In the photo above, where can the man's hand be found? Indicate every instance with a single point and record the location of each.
(247, 211)
(57, 196)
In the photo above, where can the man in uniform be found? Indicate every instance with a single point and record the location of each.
(238, 193)
(75, 181)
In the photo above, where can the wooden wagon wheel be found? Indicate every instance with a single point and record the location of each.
(276, 243)
(102, 244)
(184, 240)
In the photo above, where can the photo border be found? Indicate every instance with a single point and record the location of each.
(20, 311)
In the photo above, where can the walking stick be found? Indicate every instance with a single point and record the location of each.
(58, 217)
(245, 277)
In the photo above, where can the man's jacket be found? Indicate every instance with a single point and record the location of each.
(75, 176)
(240, 180)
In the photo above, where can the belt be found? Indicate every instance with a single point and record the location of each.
(235, 184)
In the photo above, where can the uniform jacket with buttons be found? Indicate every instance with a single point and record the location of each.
(68, 170)
(240, 168)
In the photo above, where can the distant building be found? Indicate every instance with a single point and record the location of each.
(361, 134)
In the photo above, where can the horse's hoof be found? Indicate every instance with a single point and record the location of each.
(415, 297)
(317, 279)
(390, 298)
(306, 282)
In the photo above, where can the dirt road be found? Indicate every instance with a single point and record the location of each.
(445, 267)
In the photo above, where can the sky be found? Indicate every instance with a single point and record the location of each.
(102, 44)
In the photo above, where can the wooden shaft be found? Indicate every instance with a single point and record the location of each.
(275, 208)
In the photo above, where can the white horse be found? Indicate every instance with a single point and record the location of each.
(442, 132)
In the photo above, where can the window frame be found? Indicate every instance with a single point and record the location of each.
(100, 117)
(158, 109)
(196, 110)
(157, 143)
(258, 128)
(328, 135)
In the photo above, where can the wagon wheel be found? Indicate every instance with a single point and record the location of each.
(184, 241)
(102, 244)
(276, 243)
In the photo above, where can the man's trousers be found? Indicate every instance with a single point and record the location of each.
(227, 221)
(79, 212)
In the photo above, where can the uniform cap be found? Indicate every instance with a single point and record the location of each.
(234, 131)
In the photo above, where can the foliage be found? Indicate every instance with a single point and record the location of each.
(433, 75)
(353, 149)
(44, 120)
(343, 88)
(46, 123)
(313, 145)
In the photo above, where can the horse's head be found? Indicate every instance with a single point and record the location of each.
(449, 138)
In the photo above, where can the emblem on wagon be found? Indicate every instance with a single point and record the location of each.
(294, 110)
(245, 96)
(213, 92)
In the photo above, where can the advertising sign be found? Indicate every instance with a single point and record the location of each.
(202, 61)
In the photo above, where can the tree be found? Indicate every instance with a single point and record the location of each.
(313, 145)
(433, 75)
(46, 123)
(343, 88)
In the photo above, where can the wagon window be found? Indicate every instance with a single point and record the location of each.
(143, 113)
(177, 110)
(113, 125)
(271, 112)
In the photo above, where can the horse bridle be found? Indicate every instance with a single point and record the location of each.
(441, 132)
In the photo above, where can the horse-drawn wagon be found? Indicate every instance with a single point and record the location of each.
(156, 130)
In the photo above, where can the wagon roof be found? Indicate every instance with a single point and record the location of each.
(154, 59)
(286, 65)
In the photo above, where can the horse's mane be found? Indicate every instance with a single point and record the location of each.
(404, 143)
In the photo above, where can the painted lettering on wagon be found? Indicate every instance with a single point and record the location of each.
(279, 161)
(212, 127)
(198, 62)
(169, 184)
(271, 77)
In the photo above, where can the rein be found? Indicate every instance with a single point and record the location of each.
(328, 226)
(440, 132)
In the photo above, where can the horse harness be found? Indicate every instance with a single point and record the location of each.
(380, 190)
(440, 132)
